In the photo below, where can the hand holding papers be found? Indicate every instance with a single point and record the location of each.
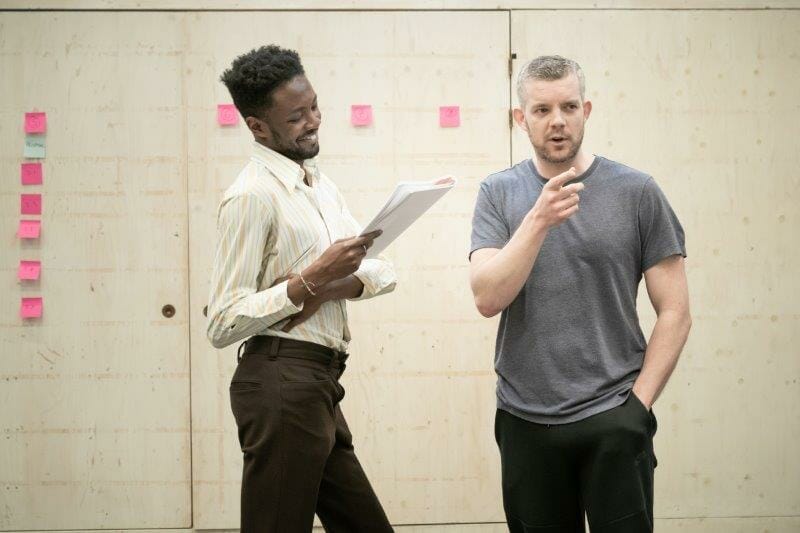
(407, 203)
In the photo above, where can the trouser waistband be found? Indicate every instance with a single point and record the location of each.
(275, 347)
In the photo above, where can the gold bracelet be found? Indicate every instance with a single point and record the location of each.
(306, 285)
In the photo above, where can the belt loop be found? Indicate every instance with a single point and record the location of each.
(274, 345)
(239, 352)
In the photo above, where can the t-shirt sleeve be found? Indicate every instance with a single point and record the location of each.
(660, 230)
(489, 227)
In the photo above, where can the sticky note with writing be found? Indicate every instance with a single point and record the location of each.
(449, 116)
(29, 270)
(31, 173)
(31, 307)
(34, 147)
(35, 122)
(29, 229)
(30, 204)
(361, 115)
(227, 114)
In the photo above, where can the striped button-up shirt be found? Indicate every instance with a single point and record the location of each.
(271, 224)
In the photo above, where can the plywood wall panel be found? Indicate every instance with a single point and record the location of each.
(96, 422)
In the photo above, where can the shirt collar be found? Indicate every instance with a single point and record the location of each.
(289, 173)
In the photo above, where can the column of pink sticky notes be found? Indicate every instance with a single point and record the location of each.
(31, 204)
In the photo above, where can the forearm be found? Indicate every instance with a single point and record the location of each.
(297, 291)
(666, 342)
(236, 314)
(341, 289)
(499, 279)
(324, 289)
(332, 273)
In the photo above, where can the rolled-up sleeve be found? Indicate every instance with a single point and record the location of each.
(378, 277)
(236, 308)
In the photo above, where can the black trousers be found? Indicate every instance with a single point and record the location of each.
(602, 466)
(298, 451)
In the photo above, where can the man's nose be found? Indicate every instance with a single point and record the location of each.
(558, 119)
(314, 120)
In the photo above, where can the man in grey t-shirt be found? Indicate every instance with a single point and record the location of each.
(559, 245)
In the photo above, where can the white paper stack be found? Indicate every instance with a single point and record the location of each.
(407, 203)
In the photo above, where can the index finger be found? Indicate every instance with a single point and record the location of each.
(367, 238)
(558, 181)
(373, 234)
(358, 242)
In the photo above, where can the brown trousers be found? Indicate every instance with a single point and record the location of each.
(298, 451)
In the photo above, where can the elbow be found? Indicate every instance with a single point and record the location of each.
(218, 343)
(390, 278)
(488, 312)
(485, 296)
(487, 309)
(389, 288)
(216, 339)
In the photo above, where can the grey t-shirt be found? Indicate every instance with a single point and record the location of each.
(569, 346)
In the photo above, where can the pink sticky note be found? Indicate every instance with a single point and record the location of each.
(227, 114)
(31, 308)
(30, 204)
(449, 116)
(31, 173)
(29, 229)
(29, 270)
(35, 122)
(361, 115)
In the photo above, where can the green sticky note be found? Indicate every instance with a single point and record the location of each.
(34, 147)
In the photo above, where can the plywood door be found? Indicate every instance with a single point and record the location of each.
(95, 395)
(706, 102)
(420, 384)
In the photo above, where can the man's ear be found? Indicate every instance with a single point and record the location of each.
(587, 110)
(259, 128)
(519, 118)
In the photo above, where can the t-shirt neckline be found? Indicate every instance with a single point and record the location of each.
(582, 177)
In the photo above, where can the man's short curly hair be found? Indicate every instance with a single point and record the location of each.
(254, 76)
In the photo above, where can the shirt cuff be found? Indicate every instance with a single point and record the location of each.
(378, 278)
(276, 303)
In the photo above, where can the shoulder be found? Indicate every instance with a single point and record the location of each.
(508, 178)
(504, 185)
(623, 175)
(253, 189)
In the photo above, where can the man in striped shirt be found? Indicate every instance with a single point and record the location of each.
(288, 258)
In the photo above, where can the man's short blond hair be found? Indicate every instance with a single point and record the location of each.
(548, 68)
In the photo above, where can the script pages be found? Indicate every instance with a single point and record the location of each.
(407, 203)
